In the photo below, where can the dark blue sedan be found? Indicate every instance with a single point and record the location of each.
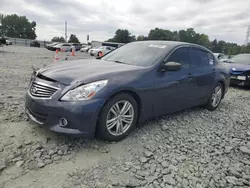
(109, 96)
(240, 69)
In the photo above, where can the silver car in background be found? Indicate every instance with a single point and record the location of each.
(100, 51)
(222, 57)
(85, 48)
(66, 47)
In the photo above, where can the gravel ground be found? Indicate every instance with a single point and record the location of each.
(193, 148)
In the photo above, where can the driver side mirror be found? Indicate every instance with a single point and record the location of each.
(171, 66)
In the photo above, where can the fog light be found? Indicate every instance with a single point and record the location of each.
(63, 122)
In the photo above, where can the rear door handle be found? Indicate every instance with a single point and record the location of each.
(214, 71)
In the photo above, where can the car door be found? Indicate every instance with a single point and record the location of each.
(204, 74)
(174, 90)
(68, 47)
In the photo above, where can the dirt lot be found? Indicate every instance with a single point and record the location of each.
(194, 148)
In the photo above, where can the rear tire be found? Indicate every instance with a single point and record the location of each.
(215, 97)
(118, 118)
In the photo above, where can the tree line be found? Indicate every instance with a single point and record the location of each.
(20, 27)
(72, 39)
(188, 35)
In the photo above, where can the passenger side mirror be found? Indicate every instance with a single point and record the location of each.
(171, 66)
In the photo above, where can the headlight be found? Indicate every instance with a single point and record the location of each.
(84, 92)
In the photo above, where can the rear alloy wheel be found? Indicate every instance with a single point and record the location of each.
(118, 118)
(215, 97)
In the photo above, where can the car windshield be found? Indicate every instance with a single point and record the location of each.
(241, 59)
(137, 53)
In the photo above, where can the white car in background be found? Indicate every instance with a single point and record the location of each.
(66, 47)
(8, 42)
(100, 50)
(222, 57)
(85, 48)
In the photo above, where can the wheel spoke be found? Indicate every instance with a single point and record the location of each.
(112, 120)
(214, 101)
(115, 109)
(127, 118)
(121, 127)
(218, 92)
(118, 128)
(216, 89)
(111, 125)
(213, 96)
(216, 96)
(125, 108)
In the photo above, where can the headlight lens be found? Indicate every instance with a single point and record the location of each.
(84, 92)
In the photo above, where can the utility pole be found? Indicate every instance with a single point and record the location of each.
(66, 31)
(247, 40)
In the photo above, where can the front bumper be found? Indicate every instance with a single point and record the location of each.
(82, 116)
(234, 80)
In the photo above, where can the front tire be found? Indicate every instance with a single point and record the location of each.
(215, 97)
(117, 118)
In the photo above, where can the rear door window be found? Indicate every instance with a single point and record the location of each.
(202, 58)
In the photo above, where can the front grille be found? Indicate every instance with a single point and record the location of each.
(42, 90)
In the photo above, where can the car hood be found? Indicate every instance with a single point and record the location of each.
(238, 67)
(81, 70)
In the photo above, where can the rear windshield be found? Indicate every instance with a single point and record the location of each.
(241, 59)
(137, 53)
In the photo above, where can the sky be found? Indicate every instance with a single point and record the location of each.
(222, 19)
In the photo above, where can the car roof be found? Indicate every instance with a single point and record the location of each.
(172, 44)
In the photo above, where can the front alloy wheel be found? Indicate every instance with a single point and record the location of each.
(117, 118)
(120, 117)
(215, 97)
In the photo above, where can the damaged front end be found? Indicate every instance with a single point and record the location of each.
(241, 78)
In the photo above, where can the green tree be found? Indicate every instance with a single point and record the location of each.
(122, 36)
(58, 39)
(188, 35)
(161, 34)
(202, 40)
(140, 38)
(17, 27)
(214, 44)
(73, 39)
